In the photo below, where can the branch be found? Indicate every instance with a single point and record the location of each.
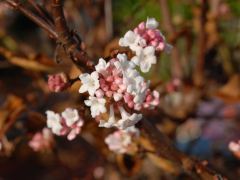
(39, 21)
(167, 22)
(69, 40)
(199, 75)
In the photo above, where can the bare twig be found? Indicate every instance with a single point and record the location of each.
(39, 21)
(69, 40)
(168, 25)
(199, 74)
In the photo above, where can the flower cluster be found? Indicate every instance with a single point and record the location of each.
(117, 81)
(146, 41)
(115, 89)
(57, 82)
(42, 140)
(68, 123)
(121, 141)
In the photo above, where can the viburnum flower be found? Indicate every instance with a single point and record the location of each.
(111, 121)
(127, 120)
(71, 116)
(151, 23)
(70, 123)
(42, 140)
(58, 82)
(97, 105)
(145, 58)
(146, 41)
(117, 85)
(102, 66)
(132, 40)
(54, 122)
(90, 83)
(121, 141)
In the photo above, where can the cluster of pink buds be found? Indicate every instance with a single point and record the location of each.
(151, 35)
(68, 123)
(147, 42)
(121, 141)
(42, 141)
(58, 82)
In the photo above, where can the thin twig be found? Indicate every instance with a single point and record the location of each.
(199, 74)
(39, 21)
(168, 25)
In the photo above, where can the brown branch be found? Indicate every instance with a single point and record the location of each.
(168, 25)
(164, 148)
(199, 74)
(39, 21)
(69, 40)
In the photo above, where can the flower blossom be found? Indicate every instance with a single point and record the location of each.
(121, 141)
(127, 120)
(90, 83)
(97, 105)
(121, 82)
(145, 58)
(57, 82)
(68, 123)
(117, 83)
(146, 41)
(42, 140)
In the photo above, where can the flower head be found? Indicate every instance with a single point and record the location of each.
(41, 140)
(57, 82)
(90, 83)
(127, 120)
(54, 122)
(122, 141)
(97, 105)
(71, 116)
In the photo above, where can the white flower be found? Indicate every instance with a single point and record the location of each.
(129, 38)
(151, 23)
(90, 83)
(123, 64)
(145, 58)
(131, 78)
(97, 105)
(118, 141)
(117, 96)
(127, 119)
(132, 130)
(71, 116)
(132, 40)
(111, 121)
(102, 66)
(54, 122)
(141, 91)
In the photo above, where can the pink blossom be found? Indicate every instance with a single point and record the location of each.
(42, 140)
(68, 123)
(57, 82)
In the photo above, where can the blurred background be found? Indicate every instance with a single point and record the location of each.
(199, 83)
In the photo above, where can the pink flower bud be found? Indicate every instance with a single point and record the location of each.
(109, 93)
(114, 87)
(58, 82)
(99, 93)
(141, 26)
